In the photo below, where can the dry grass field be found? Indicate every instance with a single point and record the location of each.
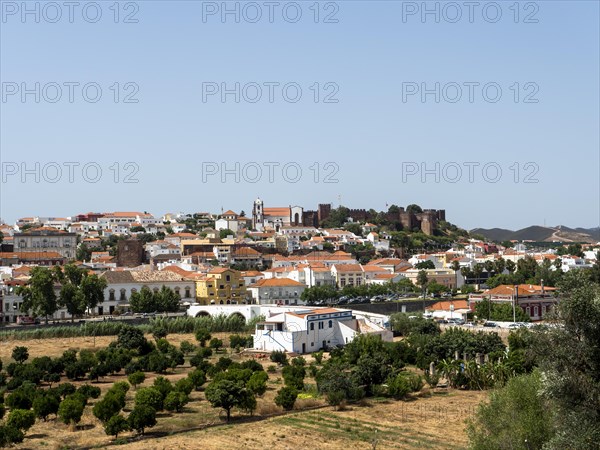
(433, 420)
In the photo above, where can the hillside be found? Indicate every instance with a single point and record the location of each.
(541, 234)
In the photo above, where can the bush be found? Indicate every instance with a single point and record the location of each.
(89, 391)
(299, 361)
(142, 417)
(187, 347)
(149, 396)
(202, 336)
(10, 435)
(516, 416)
(253, 365)
(20, 354)
(286, 397)
(75, 371)
(293, 376)
(318, 356)
(184, 385)
(115, 425)
(132, 338)
(21, 419)
(432, 379)
(272, 369)
(71, 410)
(216, 344)
(21, 398)
(237, 341)
(136, 378)
(279, 357)
(109, 406)
(65, 389)
(176, 400)
(162, 385)
(197, 377)
(45, 404)
(258, 383)
(398, 387)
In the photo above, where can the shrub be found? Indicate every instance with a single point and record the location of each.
(216, 344)
(109, 406)
(2, 410)
(20, 354)
(176, 400)
(198, 378)
(136, 378)
(65, 389)
(399, 387)
(293, 376)
(75, 371)
(10, 435)
(432, 379)
(159, 331)
(45, 404)
(184, 385)
(187, 347)
(149, 396)
(115, 425)
(279, 357)
(253, 365)
(516, 416)
(142, 417)
(318, 356)
(162, 385)
(22, 397)
(299, 361)
(202, 336)
(258, 383)
(286, 397)
(89, 391)
(271, 369)
(71, 410)
(21, 419)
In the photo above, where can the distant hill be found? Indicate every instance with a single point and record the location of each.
(541, 234)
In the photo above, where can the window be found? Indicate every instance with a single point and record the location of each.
(111, 294)
(221, 286)
(320, 325)
(123, 297)
(312, 327)
(331, 324)
(228, 278)
(187, 292)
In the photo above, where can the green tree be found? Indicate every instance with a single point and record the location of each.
(428, 264)
(20, 354)
(10, 435)
(142, 417)
(167, 300)
(45, 404)
(109, 406)
(202, 336)
(149, 396)
(21, 419)
(136, 378)
(115, 425)
(175, 401)
(71, 410)
(39, 295)
(286, 397)
(570, 363)
(516, 417)
(143, 301)
(225, 394)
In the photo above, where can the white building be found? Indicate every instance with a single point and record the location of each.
(283, 291)
(312, 330)
(122, 283)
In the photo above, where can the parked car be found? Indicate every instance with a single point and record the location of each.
(27, 320)
(490, 324)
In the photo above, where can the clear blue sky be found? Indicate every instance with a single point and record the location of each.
(369, 133)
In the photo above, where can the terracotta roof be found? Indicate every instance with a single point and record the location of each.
(276, 212)
(276, 282)
(445, 305)
(140, 276)
(525, 290)
(348, 268)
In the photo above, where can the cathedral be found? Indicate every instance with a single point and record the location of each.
(276, 217)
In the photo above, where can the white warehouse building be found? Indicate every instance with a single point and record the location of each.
(310, 330)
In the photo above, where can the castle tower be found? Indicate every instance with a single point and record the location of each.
(258, 217)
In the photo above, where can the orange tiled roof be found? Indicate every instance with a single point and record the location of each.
(276, 282)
